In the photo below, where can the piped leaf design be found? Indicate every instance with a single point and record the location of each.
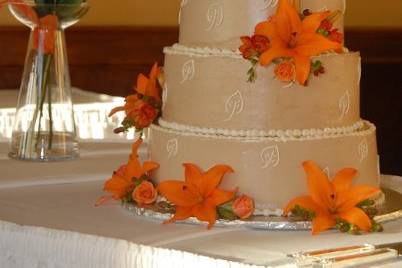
(270, 157)
(234, 105)
(172, 147)
(188, 71)
(363, 150)
(344, 104)
(269, 4)
(214, 16)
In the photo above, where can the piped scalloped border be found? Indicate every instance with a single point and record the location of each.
(204, 52)
(367, 129)
(254, 133)
(178, 49)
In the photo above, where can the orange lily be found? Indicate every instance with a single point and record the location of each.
(332, 200)
(291, 37)
(122, 181)
(198, 195)
(145, 86)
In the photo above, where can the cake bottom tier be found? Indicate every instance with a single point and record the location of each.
(267, 169)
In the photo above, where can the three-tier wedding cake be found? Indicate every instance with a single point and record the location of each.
(264, 128)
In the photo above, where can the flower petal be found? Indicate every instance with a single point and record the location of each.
(277, 50)
(212, 178)
(219, 196)
(179, 193)
(303, 67)
(133, 168)
(348, 199)
(287, 20)
(142, 82)
(265, 28)
(343, 179)
(115, 110)
(357, 217)
(153, 75)
(305, 202)
(192, 174)
(322, 222)
(319, 187)
(205, 212)
(313, 44)
(181, 213)
(118, 186)
(149, 166)
(311, 23)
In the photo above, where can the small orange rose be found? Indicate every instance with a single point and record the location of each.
(243, 207)
(253, 46)
(145, 193)
(285, 71)
(143, 114)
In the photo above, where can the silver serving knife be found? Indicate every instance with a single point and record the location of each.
(397, 246)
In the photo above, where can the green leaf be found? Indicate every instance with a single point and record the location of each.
(226, 213)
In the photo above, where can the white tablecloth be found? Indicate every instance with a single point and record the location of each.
(48, 219)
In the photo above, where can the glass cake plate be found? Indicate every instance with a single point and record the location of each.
(391, 210)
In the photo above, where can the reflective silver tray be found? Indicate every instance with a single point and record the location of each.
(390, 211)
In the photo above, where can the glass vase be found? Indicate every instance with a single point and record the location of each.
(44, 128)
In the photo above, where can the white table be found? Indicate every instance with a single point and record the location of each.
(48, 219)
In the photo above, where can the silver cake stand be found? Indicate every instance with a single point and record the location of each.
(391, 210)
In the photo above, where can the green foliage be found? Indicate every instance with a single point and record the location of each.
(298, 211)
(64, 9)
(226, 213)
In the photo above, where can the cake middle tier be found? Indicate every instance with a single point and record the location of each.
(208, 88)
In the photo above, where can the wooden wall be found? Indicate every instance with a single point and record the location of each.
(108, 59)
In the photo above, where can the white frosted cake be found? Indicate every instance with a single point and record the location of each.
(263, 129)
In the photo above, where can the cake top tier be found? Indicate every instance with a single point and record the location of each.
(220, 23)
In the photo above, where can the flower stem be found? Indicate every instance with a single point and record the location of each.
(44, 92)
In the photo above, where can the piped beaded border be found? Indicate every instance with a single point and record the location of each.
(178, 49)
(367, 129)
(254, 133)
(204, 52)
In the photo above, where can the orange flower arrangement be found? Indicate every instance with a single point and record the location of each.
(293, 38)
(285, 71)
(333, 201)
(198, 195)
(124, 180)
(296, 37)
(143, 107)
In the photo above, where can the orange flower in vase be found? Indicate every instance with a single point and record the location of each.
(45, 32)
(333, 200)
(123, 180)
(198, 195)
(291, 37)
